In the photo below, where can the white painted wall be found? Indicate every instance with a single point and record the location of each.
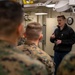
(50, 27)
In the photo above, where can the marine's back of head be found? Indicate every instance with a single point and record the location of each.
(11, 16)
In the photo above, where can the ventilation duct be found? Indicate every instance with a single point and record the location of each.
(72, 2)
(62, 5)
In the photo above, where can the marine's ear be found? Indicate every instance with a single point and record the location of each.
(25, 34)
(40, 37)
(21, 30)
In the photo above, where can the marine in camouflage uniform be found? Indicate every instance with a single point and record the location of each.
(67, 66)
(13, 61)
(31, 49)
(34, 51)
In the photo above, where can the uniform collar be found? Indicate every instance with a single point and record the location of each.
(29, 43)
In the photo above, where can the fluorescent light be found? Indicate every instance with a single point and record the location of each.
(40, 13)
(50, 5)
(27, 1)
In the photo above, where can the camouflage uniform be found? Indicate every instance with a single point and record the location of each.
(33, 51)
(14, 62)
(67, 66)
(21, 41)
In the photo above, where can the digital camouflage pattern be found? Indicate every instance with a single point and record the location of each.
(34, 51)
(14, 62)
(67, 66)
(21, 41)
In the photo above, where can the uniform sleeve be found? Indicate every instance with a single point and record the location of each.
(71, 39)
(49, 65)
(52, 40)
(67, 66)
(47, 61)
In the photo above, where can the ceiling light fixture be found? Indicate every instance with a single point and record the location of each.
(40, 13)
